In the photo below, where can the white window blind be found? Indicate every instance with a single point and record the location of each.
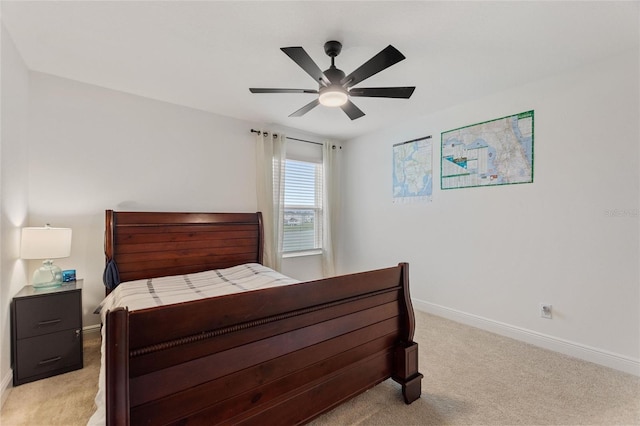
(302, 206)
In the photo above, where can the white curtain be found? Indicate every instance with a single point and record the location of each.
(331, 199)
(270, 161)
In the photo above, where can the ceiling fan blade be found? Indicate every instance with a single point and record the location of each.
(387, 57)
(260, 90)
(351, 110)
(305, 109)
(304, 61)
(383, 92)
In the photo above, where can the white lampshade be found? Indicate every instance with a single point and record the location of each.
(46, 243)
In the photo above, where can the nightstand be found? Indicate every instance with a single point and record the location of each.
(46, 331)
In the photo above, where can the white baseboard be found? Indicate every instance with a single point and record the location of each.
(5, 389)
(90, 330)
(577, 350)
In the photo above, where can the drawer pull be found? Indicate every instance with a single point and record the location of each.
(50, 322)
(50, 360)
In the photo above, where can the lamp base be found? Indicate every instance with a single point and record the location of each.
(48, 275)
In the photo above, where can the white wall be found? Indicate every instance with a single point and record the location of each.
(93, 149)
(489, 256)
(13, 190)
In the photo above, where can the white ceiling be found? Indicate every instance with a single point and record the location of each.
(206, 54)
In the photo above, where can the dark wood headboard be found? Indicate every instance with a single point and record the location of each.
(157, 244)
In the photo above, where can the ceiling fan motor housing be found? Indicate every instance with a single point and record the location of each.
(334, 75)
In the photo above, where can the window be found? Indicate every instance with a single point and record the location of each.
(302, 230)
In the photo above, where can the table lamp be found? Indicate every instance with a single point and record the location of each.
(46, 243)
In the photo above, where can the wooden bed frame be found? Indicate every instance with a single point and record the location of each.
(280, 355)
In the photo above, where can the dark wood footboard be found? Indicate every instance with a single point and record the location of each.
(280, 355)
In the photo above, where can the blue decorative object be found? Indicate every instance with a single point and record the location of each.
(68, 275)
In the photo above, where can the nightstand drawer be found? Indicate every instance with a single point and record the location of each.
(40, 356)
(50, 314)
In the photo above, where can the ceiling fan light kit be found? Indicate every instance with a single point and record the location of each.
(333, 96)
(335, 88)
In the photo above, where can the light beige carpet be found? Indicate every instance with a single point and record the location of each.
(472, 377)
(66, 399)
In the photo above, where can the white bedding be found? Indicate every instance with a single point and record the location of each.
(141, 294)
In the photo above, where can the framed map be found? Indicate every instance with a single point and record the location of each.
(496, 152)
(413, 170)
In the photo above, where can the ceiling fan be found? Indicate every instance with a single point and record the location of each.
(335, 88)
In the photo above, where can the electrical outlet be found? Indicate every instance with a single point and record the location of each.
(545, 310)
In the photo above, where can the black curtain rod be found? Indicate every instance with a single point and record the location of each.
(302, 140)
(293, 139)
